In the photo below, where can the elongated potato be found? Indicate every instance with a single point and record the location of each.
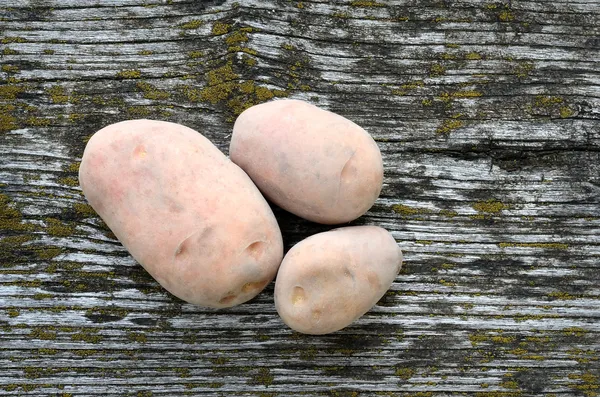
(191, 217)
(311, 162)
(330, 279)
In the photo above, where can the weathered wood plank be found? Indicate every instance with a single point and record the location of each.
(488, 118)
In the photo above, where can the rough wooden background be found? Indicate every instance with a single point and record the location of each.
(488, 117)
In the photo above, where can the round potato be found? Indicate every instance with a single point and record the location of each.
(309, 161)
(187, 214)
(330, 279)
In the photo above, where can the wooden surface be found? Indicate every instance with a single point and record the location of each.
(488, 118)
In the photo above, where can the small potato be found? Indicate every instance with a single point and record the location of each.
(311, 162)
(188, 215)
(330, 279)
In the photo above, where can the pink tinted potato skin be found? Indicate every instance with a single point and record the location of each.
(188, 215)
(309, 161)
(330, 279)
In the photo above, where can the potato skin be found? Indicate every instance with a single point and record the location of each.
(188, 215)
(309, 161)
(330, 279)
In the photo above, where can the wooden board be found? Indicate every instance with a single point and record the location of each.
(488, 118)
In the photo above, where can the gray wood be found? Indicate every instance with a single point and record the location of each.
(487, 114)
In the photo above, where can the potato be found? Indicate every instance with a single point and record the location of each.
(311, 162)
(188, 215)
(330, 279)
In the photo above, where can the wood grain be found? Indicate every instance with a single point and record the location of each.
(488, 118)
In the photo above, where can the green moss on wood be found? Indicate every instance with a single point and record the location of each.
(506, 16)
(38, 121)
(41, 333)
(47, 253)
(223, 86)
(236, 38)
(11, 69)
(195, 54)
(566, 112)
(561, 295)
(449, 125)
(436, 70)
(220, 28)
(551, 246)
(85, 210)
(193, 24)
(473, 56)
(88, 336)
(151, 92)
(366, 3)
(137, 337)
(491, 206)
(10, 91)
(575, 331)
(57, 94)
(69, 181)
(10, 218)
(405, 88)
(8, 122)
(129, 74)
(547, 101)
(405, 373)
(56, 228)
(138, 111)
(262, 377)
(13, 39)
(13, 312)
(523, 69)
